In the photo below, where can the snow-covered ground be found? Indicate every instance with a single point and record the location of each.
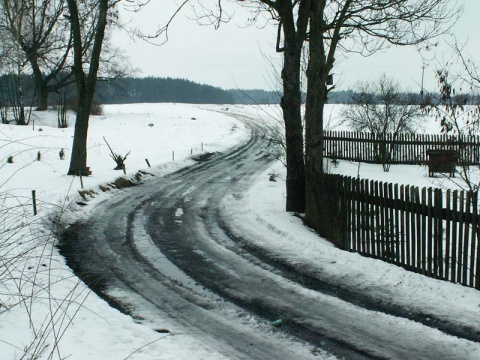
(53, 305)
(40, 299)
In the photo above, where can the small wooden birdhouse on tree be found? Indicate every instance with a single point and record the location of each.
(330, 79)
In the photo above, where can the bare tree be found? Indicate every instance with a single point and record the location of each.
(88, 25)
(292, 20)
(344, 26)
(14, 63)
(470, 74)
(459, 114)
(329, 27)
(382, 108)
(41, 31)
(95, 15)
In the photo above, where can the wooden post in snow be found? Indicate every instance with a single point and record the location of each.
(34, 202)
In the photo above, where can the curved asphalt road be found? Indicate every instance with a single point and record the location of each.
(142, 242)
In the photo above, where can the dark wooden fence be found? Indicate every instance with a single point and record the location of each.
(429, 231)
(400, 148)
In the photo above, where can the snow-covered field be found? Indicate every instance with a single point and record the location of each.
(43, 303)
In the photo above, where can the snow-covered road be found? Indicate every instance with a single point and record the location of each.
(166, 250)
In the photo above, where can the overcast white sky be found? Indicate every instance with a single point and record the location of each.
(239, 56)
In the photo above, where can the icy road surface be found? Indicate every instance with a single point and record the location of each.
(165, 253)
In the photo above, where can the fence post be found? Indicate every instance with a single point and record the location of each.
(438, 234)
(456, 219)
(344, 212)
(474, 244)
(34, 202)
(477, 238)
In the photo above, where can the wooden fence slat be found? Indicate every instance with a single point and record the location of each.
(363, 147)
(423, 247)
(403, 226)
(371, 221)
(416, 155)
(453, 261)
(473, 242)
(408, 239)
(414, 222)
(396, 239)
(383, 220)
(477, 267)
(367, 209)
(359, 215)
(430, 224)
(353, 214)
(350, 147)
(391, 225)
(378, 223)
(448, 220)
(344, 214)
(366, 216)
(460, 239)
(363, 225)
(418, 210)
(349, 213)
(466, 241)
(438, 234)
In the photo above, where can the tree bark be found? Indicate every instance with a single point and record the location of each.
(78, 159)
(317, 73)
(294, 33)
(291, 106)
(42, 95)
(86, 83)
(320, 63)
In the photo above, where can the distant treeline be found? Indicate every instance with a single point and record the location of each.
(158, 90)
(155, 89)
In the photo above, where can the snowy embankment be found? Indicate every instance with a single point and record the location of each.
(41, 302)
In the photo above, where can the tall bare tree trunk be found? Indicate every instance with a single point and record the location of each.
(86, 83)
(291, 105)
(294, 33)
(78, 159)
(317, 72)
(41, 90)
(41, 94)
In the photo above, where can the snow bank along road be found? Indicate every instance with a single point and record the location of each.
(163, 252)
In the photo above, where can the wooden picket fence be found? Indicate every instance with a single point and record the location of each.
(429, 231)
(400, 148)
